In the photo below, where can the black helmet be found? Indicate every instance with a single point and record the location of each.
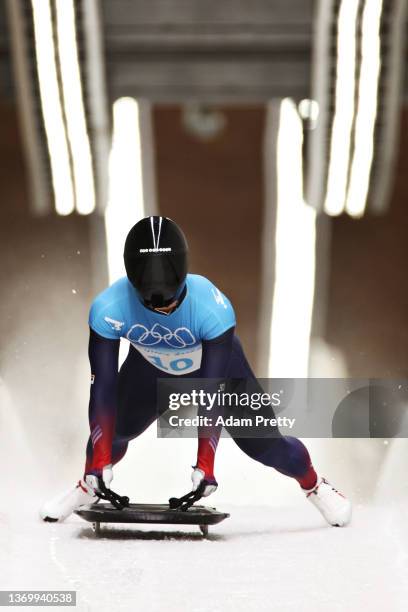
(156, 260)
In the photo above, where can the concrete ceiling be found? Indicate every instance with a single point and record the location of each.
(177, 50)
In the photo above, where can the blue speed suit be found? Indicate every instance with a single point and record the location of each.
(197, 339)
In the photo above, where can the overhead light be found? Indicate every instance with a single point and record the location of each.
(309, 110)
(52, 108)
(366, 109)
(293, 294)
(74, 107)
(126, 199)
(204, 122)
(344, 108)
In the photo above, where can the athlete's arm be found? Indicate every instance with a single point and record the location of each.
(214, 364)
(103, 357)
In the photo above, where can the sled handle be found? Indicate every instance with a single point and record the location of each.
(185, 502)
(118, 501)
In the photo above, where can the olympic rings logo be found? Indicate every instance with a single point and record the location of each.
(179, 338)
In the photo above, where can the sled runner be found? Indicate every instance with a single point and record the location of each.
(179, 511)
(151, 513)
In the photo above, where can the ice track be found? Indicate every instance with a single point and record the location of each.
(261, 559)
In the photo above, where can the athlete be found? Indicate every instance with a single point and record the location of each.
(177, 324)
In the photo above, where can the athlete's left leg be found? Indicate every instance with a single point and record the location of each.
(285, 454)
(289, 455)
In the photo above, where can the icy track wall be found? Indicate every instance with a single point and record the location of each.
(43, 361)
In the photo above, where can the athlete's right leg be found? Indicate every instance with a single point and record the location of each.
(119, 448)
(136, 410)
(136, 404)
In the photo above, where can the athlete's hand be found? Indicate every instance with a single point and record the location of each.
(105, 478)
(198, 476)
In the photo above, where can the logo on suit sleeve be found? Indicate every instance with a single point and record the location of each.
(219, 298)
(115, 325)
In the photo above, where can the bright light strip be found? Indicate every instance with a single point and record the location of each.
(292, 305)
(344, 108)
(126, 203)
(74, 107)
(52, 108)
(366, 109)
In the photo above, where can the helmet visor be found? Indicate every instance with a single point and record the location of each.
(158, 277)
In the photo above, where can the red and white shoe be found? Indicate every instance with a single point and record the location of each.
(332, 504)
(60, 507)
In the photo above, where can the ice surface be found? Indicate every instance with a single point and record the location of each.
(262, 558)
